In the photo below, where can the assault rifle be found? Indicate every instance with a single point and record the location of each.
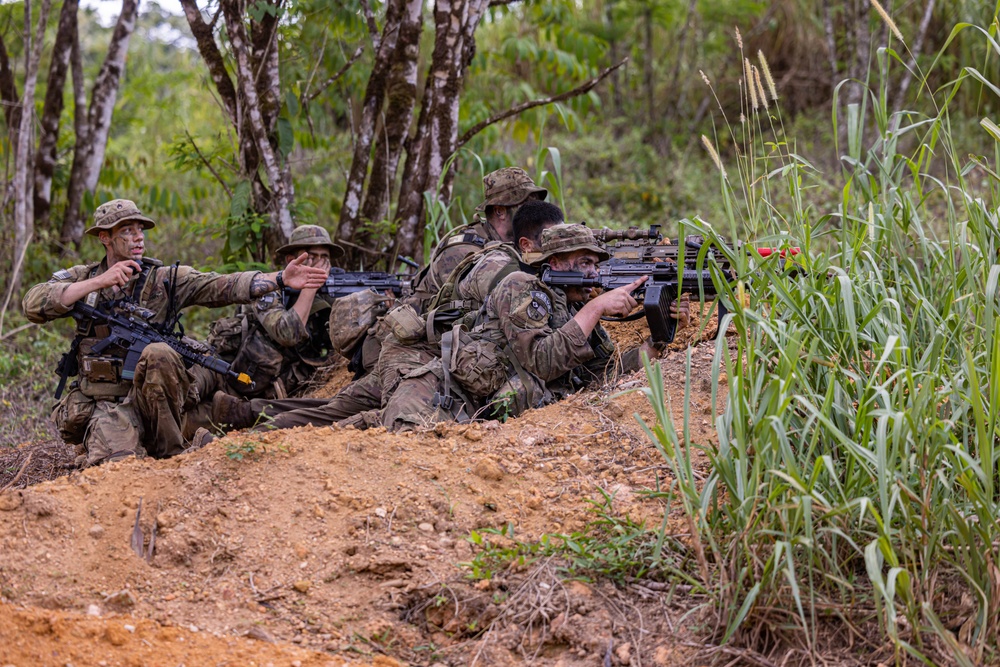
(665, 282)
(131, 331)
(341, 283)
(641, 245)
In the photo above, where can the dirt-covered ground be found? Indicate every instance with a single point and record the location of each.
(323, 546)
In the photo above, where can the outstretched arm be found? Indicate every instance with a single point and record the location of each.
(297, 275)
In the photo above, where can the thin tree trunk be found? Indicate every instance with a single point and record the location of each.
(210, 53)
(918, 46)
(365, 131)
(616, 78)
(87, 163)
(45, 160)
(280, 195)
(23, 154)
(455, 25)
(831, 45)
(401, 99)
(647, 65)
(8, 94)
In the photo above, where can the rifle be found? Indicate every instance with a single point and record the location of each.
(341, 283)
(657, 293)
(639, 245)
(133, 332)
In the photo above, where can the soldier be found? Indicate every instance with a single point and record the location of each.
(283, 337)
(114, 418)
(362, 401)
(505, 189)
(535, 345)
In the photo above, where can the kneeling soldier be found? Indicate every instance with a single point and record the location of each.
(111, 416)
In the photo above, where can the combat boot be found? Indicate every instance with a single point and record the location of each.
(231, 412)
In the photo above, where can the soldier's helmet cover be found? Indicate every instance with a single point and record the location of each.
(308, 236)
(116, 212)
(509, 186)
(566, 238)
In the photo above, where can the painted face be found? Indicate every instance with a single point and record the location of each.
(126, 241)
(584, 261)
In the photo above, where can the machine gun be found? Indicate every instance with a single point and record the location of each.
(340, 283)
(131, 331)
(665, 282)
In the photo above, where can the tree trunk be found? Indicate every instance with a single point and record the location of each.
(613, 51)
(365, 130)
(45, 160)
(918, 46)
(401, 97)
(455, 24)
(8, 94)
(87, 164)
(23, 154)
(210, 53)
(253, 115)
(647, 64)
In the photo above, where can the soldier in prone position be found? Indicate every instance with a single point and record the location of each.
(532, 346)
(112, 417)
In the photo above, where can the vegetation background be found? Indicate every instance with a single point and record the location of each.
(855, 477)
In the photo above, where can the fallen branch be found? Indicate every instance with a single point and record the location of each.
(20, 473)
(524, 106)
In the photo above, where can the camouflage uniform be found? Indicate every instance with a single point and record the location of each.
(268, 340)
(509, 186)
(526, 352)
(362, 401)
(113, 419)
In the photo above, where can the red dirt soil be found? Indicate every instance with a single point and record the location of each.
(327, 546)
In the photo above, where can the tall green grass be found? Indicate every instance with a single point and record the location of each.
(855, 483)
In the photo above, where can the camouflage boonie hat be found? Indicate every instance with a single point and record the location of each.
(115, 212)
(307, 236)
(509, 186)
(566, 238)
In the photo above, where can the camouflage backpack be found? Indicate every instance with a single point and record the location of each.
(240, 341)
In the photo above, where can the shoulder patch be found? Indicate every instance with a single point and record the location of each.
(540, 306)
(265, 302)
(62, 274)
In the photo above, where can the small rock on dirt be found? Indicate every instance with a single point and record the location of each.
(426, 527)
(489, 470)
(96, 531)
(624, 653)
(302, 586)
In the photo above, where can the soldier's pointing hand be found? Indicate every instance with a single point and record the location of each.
(297, 274)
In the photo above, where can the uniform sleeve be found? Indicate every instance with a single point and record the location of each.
(523, 307)
(43, 302)
(213, 290)
(282, 326)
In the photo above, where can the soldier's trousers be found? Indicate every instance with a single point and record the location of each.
(148, 420)
(361, 397)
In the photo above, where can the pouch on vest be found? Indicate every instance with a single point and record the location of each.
(258, 359)
(479, 366)
(225, 335)
(406, 324)
(101, 374)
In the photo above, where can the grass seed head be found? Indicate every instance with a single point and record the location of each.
(760, 88)
(751, 88)
(704, 77)
(713, 154)
(739, 39)
(888, 20)
(766, 71)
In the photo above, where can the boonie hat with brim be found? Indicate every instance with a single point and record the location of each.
(509, 186)
(566, 238)
(116, 212)
(307, 236)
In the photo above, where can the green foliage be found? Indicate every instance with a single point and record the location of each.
(857, 458)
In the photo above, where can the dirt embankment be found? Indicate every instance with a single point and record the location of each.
(329, 546)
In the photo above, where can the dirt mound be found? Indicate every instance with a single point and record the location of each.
(346, 542)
